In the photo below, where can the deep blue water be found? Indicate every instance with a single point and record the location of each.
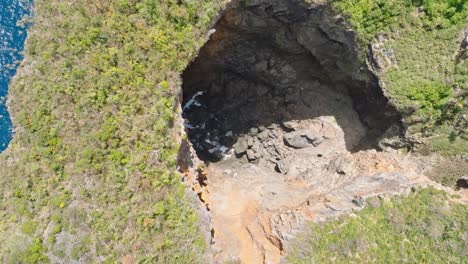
(12, 37)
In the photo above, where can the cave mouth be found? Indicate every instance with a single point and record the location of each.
(270, 65)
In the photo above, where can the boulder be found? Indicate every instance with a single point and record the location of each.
(241, 146)
(295, 141)
(283, 166)
(311, 136)
(291, 125)
(263, 135)
(251, 155)
(318, 141)
(253, 131)
(250, 141)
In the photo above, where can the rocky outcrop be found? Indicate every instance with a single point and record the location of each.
(270, 62)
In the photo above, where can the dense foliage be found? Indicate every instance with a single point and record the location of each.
(90, 173)
(424, 227)
(371, 17)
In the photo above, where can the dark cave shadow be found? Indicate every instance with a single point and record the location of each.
(215, 117)
(246, 83)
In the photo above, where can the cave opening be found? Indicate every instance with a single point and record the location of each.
(268, 68)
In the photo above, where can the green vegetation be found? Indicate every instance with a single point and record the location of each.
(424, 36)
(90, 174)
(371, 17)
(448, 172)
(424, 227)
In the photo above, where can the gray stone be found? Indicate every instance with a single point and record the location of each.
(250, 141)
(341, 165)
(295, 141)
(310, 136)
(318, 141)
(258, 155)
(283, 166)
(289, 125)
(272, 150)
(253, 131)
(256, 146)
(263, 135)
(359, 201)
(274, 134)
(241, 146)
(251, 155)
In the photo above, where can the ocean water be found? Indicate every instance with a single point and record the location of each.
(13, 14)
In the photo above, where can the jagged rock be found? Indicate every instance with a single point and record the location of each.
(253, 131)
(311, 136)
(250, 141)
(251, 155)
(263, 135)
(271, 150)
(302, 139)
(258, 155)
(381, 57)
(286, 224)
(296, 141)
(241, 146)
(274, 134)
(341, 165)
(315, 139)
(359, 201)
(462, 53)
(283, 166)
(318, 141)
(256, 146)
(290, 125)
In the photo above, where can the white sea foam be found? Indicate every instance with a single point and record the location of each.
(193, 101)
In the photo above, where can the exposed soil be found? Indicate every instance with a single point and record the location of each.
(286, 119)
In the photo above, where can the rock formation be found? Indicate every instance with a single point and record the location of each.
(286, 116)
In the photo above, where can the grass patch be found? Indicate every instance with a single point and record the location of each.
(424, 227)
